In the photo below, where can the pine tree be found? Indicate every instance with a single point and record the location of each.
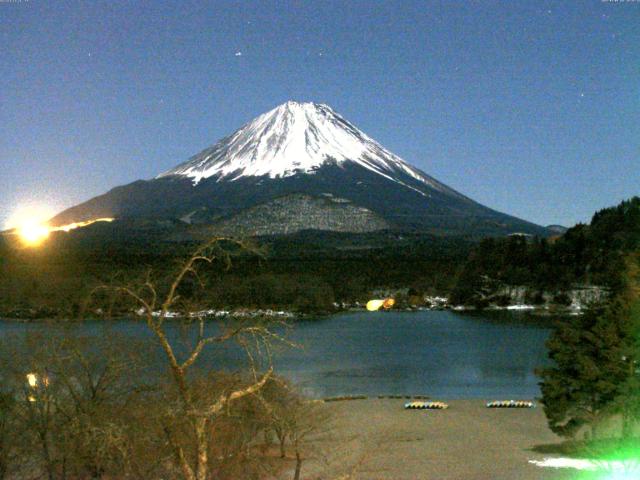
(626, 309)
(596, 363)
(579, 388)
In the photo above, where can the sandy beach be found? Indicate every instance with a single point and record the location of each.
(378, 439)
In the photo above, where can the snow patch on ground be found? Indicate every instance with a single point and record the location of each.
(520, 307)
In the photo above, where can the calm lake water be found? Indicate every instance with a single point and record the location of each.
(436, 353)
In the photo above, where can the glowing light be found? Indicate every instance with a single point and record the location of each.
(607, 469)
(31, 227)
(72, 226)
(32, 380)
(30, 224)
(623, 476)
(375, 305)
(32, 232)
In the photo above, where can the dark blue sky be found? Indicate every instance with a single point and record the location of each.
(531, 108)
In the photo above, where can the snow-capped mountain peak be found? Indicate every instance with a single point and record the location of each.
(295, 138)
(299, 167)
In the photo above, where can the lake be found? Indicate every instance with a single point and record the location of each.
(437, 353)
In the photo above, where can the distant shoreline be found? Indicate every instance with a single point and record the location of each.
(213, 314)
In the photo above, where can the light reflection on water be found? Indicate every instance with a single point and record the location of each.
(436, 353)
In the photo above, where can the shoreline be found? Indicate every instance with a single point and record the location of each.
(212, 314)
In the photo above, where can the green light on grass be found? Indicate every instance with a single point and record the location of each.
(622, 476)
(607, 460)
(616, 475)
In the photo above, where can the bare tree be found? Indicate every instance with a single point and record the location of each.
(96, 380)
(191, 441)
(72, 404)
(97, 406)
(294, 419)
(7, 426)
(305, 420)
(36, 415)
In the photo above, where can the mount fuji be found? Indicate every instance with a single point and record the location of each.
(300, 166)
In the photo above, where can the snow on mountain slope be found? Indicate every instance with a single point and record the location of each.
(300, 148)
(297, 138)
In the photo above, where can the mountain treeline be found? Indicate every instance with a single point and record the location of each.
(586, 254)
(306, 272)
(310, 271)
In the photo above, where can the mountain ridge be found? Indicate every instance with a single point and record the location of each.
(302, 148)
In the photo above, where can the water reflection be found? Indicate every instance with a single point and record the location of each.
(436, 353)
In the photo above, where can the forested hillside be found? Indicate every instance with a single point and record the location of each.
(311, 270)
(586, 254)
(305, 272)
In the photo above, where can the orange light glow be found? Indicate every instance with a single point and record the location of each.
(32, 233)
(33, 229)
(29, 223)
(71, 226)
(375, 305)
(32, 380)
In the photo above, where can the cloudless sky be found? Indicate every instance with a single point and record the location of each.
(531, 108)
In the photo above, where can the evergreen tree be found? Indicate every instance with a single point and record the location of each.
(586, 254)
(588, 369)
(626, 308)
(596, 360)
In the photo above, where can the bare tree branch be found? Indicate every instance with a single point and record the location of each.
(226, 399)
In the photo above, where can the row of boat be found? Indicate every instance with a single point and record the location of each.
(426, 405)
(494, 404)
(510, 404)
